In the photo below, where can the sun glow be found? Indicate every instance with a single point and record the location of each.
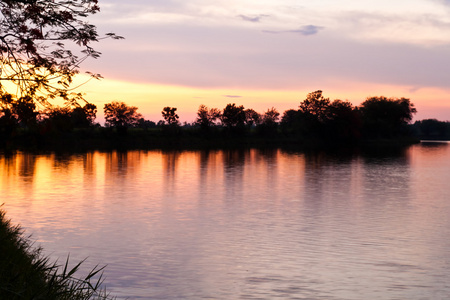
(151, 98)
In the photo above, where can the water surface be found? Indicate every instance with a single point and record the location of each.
(243, 224)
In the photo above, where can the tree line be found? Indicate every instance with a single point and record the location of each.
(316, 118)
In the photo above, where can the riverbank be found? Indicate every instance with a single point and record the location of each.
(185, 139)
(26, 274)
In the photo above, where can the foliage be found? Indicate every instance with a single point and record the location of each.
(268, 125)
(120, 115)
(343, 122)
(316, 105)
(252, 117)
(170, 116)
(271, 116)
(64, 119)
(290, 119)
(37, 42)
(233, 116)
(83, 117)
(58, 120)
(26, 274)
(432, 129)
(21, 111)
(143, 123)
(318, 121)
(207, 117)
(386, 117)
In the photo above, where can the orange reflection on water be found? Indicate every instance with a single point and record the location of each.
(243, 221)
(44, 181)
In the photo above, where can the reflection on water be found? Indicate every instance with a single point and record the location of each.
(243, 224)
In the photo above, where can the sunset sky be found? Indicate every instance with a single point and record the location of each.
(271, 53)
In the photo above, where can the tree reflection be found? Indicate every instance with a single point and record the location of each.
(386, 177)
(170, 163)
(117, 162)
(233, 165)
(207, 165)
(27, 166)
(89, 163)
(435, 146)
(7, 164)
(122, 162)
(62, 161)
(328, 182)
(269, 159)
(235, 158)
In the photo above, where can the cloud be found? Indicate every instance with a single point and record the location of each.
(445, 2)
(308, 30)
(427, 29)
(232, 96)
(304, 30)
(253, 19)
(238, 56)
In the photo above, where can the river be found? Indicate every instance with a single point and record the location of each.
(243, 224)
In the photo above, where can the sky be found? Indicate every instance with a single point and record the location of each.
(271, 53)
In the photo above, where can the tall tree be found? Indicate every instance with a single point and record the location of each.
(385, 117)
(271, 116)
(233, 116)
(206, 117)
(38, 39)
(316, 105)
(252, 117)
(120, 115)
(170, 116)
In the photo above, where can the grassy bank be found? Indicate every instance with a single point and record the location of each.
(26, 274)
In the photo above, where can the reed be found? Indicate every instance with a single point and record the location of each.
(25, 273)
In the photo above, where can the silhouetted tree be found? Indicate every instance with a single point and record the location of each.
(290, 119)
(432, 129)
(34, 54)
(233, 116)
(8, 121)
(313, 115)
(120, 115)
(343, 122)
(58, 120)
(63, 120)
(23, 110)
(170, 116)
(271, 116)
(84, 117)
(252, 117)
(316, 105)
(269, 123)
(143, 123)
(386, 117)
(207, 117)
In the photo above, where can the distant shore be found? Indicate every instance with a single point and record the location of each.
(136, 138)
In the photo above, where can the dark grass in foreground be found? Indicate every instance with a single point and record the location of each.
(26, 274)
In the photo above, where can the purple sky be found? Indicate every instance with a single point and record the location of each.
(282, 45)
